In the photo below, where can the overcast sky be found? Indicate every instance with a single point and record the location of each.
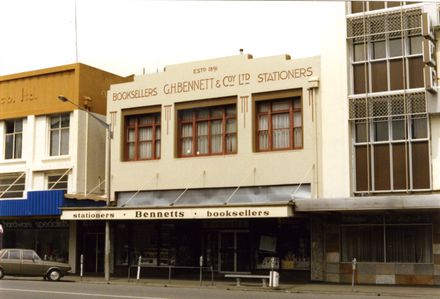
(126, 36)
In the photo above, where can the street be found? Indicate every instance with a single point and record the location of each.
(34, 288)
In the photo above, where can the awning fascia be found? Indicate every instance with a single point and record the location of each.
(235, 211)
(370, 203)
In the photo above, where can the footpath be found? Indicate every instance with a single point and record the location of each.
(309, 288)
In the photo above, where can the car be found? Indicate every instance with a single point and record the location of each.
(26, 262)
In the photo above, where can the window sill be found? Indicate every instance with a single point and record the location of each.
(12, 161)
(56, 158)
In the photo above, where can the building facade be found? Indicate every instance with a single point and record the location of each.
(49, 149)
(206, 159)
(390, 219)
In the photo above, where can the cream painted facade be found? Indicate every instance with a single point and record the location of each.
(239, 77)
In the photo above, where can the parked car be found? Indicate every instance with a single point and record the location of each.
(26, 262)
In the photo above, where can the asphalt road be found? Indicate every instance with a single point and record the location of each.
(25, 288)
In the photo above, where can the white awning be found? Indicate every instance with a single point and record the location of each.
(279, 210)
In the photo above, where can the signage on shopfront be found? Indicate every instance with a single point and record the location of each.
(179, 213)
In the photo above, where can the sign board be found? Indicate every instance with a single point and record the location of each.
(226, 212)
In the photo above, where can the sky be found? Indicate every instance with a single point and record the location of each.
(135, 36)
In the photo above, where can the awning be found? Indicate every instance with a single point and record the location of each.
(266, 210)
(369, 203)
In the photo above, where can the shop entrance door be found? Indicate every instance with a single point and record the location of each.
(94, 252)
(234, 251)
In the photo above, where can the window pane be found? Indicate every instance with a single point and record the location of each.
(380, 131)
(415, 72)
(9, 146)
(131, 151)
(157, 149)
(297, 103)
(231, 143)
(280, 139)
(280, 106)
(297, 119)
(397, 74)
(360, 75)
(18, 146)
(186, 130)
(217, 112)
(395, 47)
(297, 137)
(280, 121)
(202, 113)
(415, 44)
(398, 129)
(359, 52)
(18, 125)
(65, 120)
(186, 115)
(231, 126)
(146, 120)
(216, 144)
(365, 243)
(202, 138)
(409, 244)
(54, 122)
(145, 134)
(263, 123)
(379, 76)
(419, 128)
(145, 150)
(263, 107)
(361, 132)
(131, 135)
(186, 147)
(263, 140)
(54, 143)
(157, 133)
(231, 110)
(378, 50)
(64, 141)
(9, 126)
(420, 165)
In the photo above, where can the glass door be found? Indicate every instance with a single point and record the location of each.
(94, 252)
(234, 251)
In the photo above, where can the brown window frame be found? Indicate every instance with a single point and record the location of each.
(291, 110)
(194, 135)
(136, 126)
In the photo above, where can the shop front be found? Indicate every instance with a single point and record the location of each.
(230, 238)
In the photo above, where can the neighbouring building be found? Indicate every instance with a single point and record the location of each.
(386, 214)
(49, 148)
(206, 159)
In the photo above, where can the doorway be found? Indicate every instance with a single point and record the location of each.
(234, 252)
(93, 251)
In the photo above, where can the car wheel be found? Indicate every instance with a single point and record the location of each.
(54, 275)
(2, 273)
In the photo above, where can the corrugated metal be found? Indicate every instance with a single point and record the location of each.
(38, 203)
(41, 203)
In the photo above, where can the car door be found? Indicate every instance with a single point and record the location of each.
(11, 262)
(31, 264)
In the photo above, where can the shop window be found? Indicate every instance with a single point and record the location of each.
(207, 131)
(365, 243)
(57, 182)
(142, 137)
(12, 185)
(59, 134)
(13, 138)
(409, 244)
(279, 124)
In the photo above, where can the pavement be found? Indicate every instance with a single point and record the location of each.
(310, 288)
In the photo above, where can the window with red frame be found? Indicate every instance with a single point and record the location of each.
(142, 137)
(279, 124)
(208, 131)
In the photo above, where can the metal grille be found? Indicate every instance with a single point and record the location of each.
(384, 23)
(387, 105)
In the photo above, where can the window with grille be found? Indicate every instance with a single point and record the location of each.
(59, 134)
(142, 137)
(279, 124)
(57, 182)
(13, 138)
(207, 131)
(12, 185)
(391, 143)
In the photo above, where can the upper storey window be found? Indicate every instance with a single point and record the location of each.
(207, 131)
(13, 138)
(59, 134)
(142, 137)
(361, 6)
(279, 124)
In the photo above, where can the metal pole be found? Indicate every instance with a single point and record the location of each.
(201, 269)
(353, 268)
(138, 275)
(107, 223)
(81, 271)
